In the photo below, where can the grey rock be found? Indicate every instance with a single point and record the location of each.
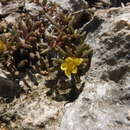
(7, 87)
(111, 45)
(12, 18)
(32, 8)
(84, 4)
(72, 4)
(78, 4)
(33, 110)
(104, 103)
(10, 8)
(64, 3)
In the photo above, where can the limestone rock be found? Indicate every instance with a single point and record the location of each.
(104, 102)
(72, 4)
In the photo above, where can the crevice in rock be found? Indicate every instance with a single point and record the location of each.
(92, 25)
(83, 19)
(116, 3)
(117, 74)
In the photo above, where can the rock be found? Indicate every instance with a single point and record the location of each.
(32, 8)
(111, 44)
(38, 112)
(78, 4)
(97, 108)
(83, 4)
(65, 4)
(72, 4)
(7, 88)
(104, 102)
(33, 110)
(116, 3)
(12, 18)
(10, 8)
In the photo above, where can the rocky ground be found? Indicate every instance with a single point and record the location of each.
(104, 103)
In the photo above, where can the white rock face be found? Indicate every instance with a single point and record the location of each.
(32, 8)
(72, 4)
(104, 103)
(38, 113)
(93, 111)
(63, 3)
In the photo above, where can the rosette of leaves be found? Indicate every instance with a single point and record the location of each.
(24, 46)
(71, 44)
(72, 59)
(38, 43)
(65, 41)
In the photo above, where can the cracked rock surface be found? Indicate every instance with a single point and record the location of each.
(104, 103)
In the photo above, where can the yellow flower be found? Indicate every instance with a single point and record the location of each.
(70, 65)
(2, 46)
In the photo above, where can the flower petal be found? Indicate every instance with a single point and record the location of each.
(63, 66)
(74, 71)
(2, 46)
(70, 65)
(78, 61)
(67, 73)
(69, 59)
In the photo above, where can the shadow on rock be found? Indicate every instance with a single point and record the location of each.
(62, 89)
(9, 89)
